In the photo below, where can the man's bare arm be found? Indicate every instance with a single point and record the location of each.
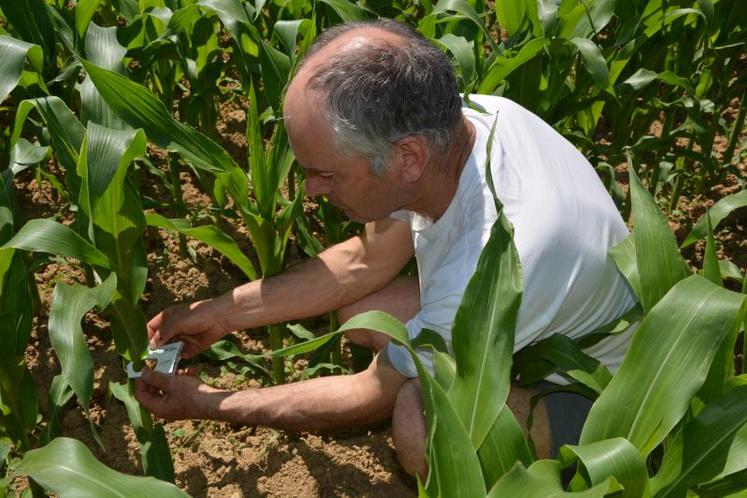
(320, 403)
(340, 275)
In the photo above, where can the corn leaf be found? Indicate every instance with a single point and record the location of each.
(154, 448)
(104, 50)
(483, 334)
(666, 364)
(69, 304)
(717, 213)
(660, 265)
(504, 65)
(59, 394)
(454, 468)
(84, 11)
(567, 358)
(23, 155)
(68, 469)
(711, 269)
(463, 54)
(623, 254)
(65, 130)
(210, 235)
(511, 15)
(275, 74)
(30, 19)
(707, 440)
(141, 109)
(465, 9)
(13, 54)
(611, 457)
(287, 31)
(49, 236)
(542, 478)
(593, 61)
(348, 11)
(596, 18)
(116, 218)
(504, 445)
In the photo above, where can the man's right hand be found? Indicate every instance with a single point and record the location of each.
(195, 324)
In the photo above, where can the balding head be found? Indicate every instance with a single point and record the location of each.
(376, 83)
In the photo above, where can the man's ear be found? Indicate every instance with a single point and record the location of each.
(411, 154)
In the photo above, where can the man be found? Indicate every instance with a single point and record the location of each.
(375, 120)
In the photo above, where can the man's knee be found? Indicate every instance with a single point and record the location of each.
(401, 298)
(408, 429)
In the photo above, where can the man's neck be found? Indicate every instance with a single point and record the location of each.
(441, 178)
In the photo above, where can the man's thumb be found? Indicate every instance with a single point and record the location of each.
(156, 379)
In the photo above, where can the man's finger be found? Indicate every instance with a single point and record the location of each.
(157, 379)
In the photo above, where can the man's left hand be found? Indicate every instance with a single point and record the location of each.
(177, 397)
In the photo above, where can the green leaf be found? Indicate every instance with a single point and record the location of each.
(463, 53)
(660, 265)
(84, 11)
(707, 440)
(542, 478)
(49, 236)
(30, 19)
(623, 254)
(504, 445)
(568, 358)
(13, 54)
(465, 9)
(65, 130)
(612, 457)
(668, 360)
(454, 469)
(483, 333)
(154, 448)
(593, 61)
(504, 66)
(595, 19)
(717, 212)
(348, 11)
(511, 14)
(275, 74)
(210, 235)
(141, 109)
(68, 469)
(104, 50)
(711, 269)
(69, 304)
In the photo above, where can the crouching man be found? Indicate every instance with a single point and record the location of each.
(376, 121)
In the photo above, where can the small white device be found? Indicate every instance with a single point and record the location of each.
(166, 357)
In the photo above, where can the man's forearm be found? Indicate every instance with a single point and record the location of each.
(340, 275)
(321, 403)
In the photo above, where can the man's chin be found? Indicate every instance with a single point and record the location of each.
(353, 216)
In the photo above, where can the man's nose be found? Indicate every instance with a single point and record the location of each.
(316, 186)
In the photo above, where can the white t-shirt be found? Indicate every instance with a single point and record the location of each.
(564, 223)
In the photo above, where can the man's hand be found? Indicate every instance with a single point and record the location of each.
(195, 324)
(177, 397)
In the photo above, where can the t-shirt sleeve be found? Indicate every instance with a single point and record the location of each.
(400, 357)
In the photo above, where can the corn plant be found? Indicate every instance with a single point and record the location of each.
(18, 302)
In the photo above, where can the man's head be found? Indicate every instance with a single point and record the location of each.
(374, 94)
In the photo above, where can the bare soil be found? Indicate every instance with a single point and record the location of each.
(217, 459)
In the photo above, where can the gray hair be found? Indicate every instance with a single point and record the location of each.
(382, 92)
